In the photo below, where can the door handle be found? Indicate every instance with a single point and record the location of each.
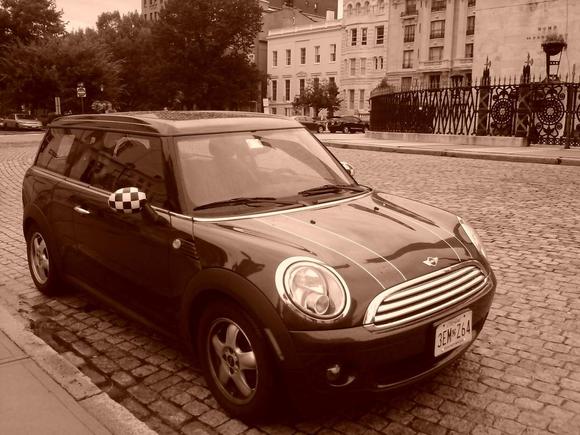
(81, 210)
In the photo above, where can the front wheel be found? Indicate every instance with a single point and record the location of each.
(345, 130)
(235, 361)
(320, 129)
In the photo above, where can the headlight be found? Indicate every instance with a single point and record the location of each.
(473, 236)
(313, 288)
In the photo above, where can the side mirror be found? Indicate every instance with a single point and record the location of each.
(128, 200)
(348, 168)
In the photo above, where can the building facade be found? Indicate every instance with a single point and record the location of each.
(431, 43)
(364, 52)
(510, 31)
(298, 55)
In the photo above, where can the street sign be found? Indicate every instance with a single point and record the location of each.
(81, 90)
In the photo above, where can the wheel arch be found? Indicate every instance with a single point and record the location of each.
(216, 283)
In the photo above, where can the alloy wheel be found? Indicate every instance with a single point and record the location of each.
(39, 258)
(232, 361)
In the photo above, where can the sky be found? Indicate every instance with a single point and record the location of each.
(84, 13)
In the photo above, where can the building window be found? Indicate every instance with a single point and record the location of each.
(353, 36)
(437, 29)
(409, 33)
(435, 53)
(363, 36)
(406, 83)
(331, 80)
(274, 58)
(361, 99)
(469, 51)
(316, 81)
(351, 98)
(287, 111)
(363, 66)
(438, 5)
(381, 6)
(353, 67)
(302, 55)
(380, 31)
(274, 90)
(317, 54)
(410, 7)
(381, 62)
(288, 57)
(333, 52)
(470, 25)
(470, 3)
(408, 59)
(273, 110)
(287, 90)
(357, 9)
(302, 84)
(434, 80)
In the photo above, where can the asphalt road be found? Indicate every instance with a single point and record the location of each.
(522, 375)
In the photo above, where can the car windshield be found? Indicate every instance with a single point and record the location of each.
(24, 116)
(249, 170)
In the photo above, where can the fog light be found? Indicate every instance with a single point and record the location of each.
(333, 373)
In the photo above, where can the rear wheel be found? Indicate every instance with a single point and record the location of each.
(41, 262)
(320, 129)
(235, 361)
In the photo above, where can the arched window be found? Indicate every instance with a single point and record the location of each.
(349, 9)
(366, 9)
(381, 6)
(357, 9)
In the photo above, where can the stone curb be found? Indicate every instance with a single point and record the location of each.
(565, 161)
(109, 413)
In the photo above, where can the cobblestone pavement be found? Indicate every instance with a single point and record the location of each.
(522, 375)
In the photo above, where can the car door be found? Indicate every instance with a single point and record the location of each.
(123, 257)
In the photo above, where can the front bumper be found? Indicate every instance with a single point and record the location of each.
(379, 360)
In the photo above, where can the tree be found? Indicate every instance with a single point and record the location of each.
(25, 21)
(319, 95)
(203, 48)
(129, 40)
(32, 75)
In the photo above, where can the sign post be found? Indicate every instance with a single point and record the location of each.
(81, 93)
(57, 108)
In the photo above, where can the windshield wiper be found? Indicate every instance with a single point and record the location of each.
(249, 201)
(332, 188)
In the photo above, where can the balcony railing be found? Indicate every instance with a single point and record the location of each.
(410, 11)
(437, 34)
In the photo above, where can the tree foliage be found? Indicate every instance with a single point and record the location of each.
(319, 95)
(25, 21)
(204, 46)
(34, 74)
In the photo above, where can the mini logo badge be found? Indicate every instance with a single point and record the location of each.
(431, 261)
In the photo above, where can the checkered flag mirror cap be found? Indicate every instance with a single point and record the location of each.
(128, 200)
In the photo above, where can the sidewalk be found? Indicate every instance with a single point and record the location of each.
(42, 393)
(546, 154)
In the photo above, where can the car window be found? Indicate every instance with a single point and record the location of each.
(111, 160)
(54, 150)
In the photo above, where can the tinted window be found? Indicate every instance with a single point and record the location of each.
(54, 150)
(110, 161)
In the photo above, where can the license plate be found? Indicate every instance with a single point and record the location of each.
(453, 333)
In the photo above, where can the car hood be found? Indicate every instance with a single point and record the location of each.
(375, 242)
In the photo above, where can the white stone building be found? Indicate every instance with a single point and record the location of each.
(298, 54)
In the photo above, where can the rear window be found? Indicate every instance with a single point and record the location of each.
(54, 150)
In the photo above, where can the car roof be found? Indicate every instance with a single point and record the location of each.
(177, 123)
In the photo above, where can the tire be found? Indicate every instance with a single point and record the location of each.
(345, 129)
(320, 129)
(41, 262)
(225, 333)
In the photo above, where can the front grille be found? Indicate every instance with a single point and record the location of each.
(421, 297)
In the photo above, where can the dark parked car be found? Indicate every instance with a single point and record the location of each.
(244, 236)
(310, 123)
(347, 124)
(22, 121)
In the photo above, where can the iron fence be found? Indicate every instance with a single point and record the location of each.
(545, 112)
